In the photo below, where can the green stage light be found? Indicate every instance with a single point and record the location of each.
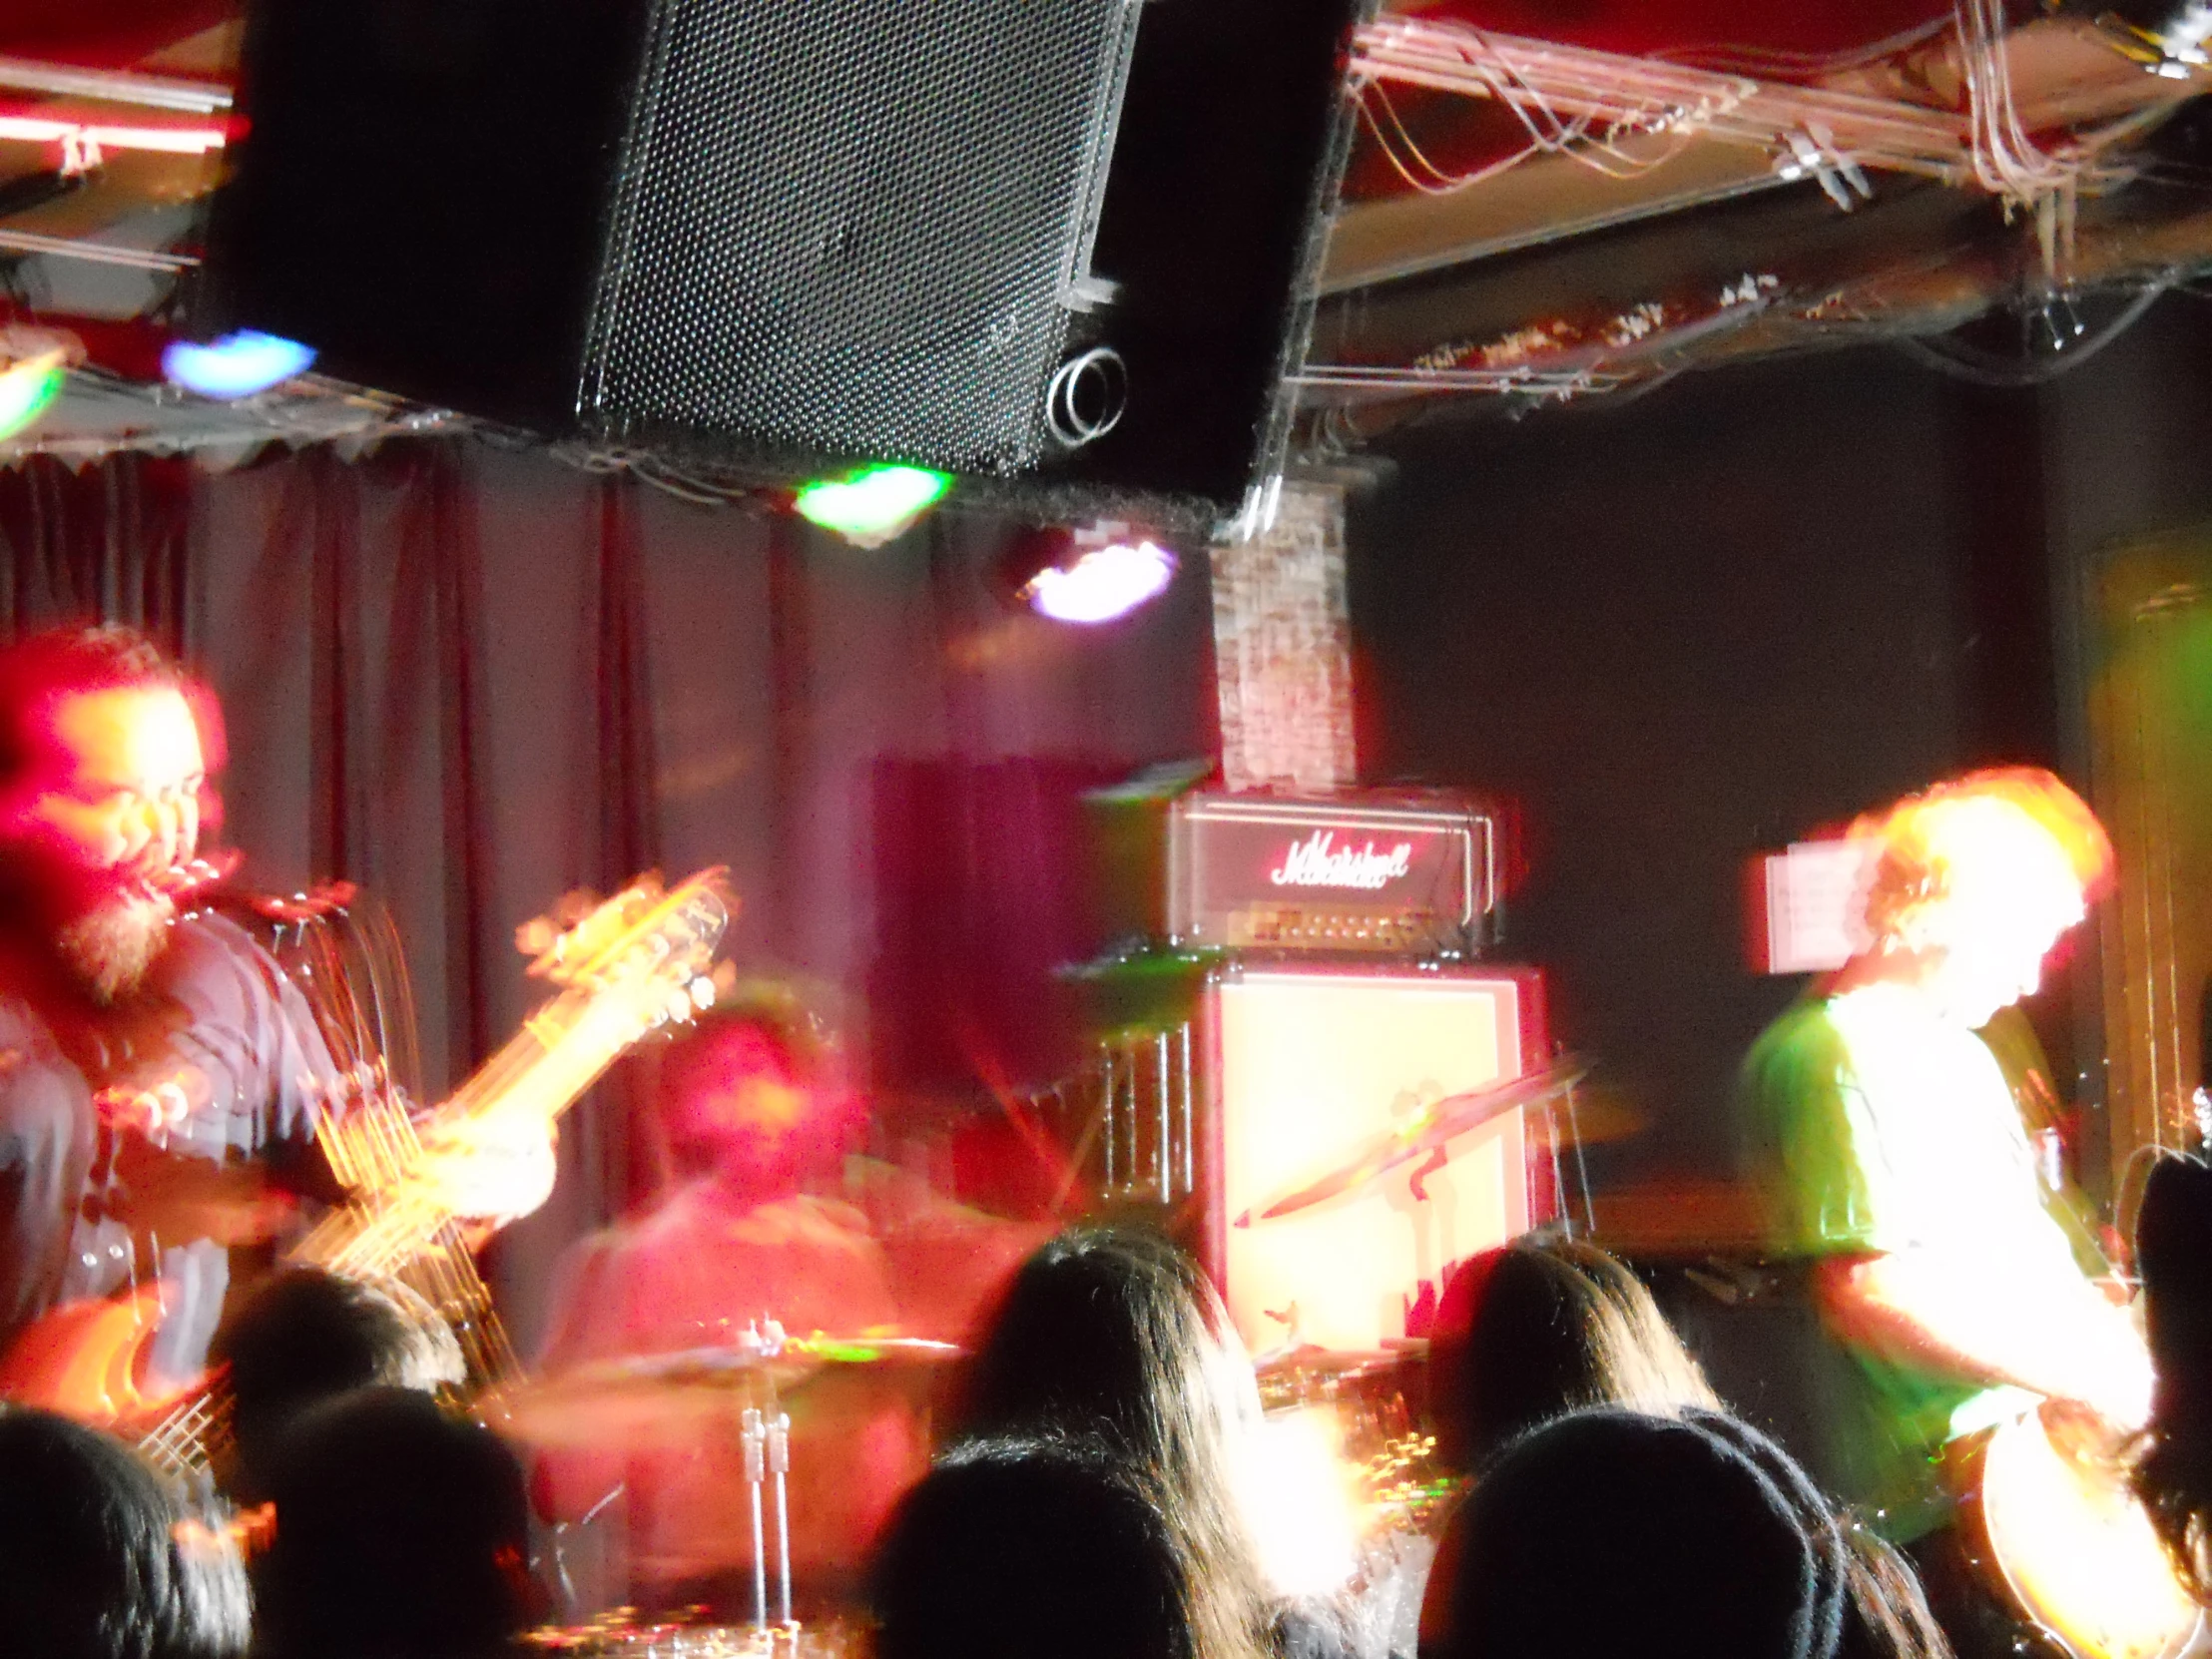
(28, 389)
(871, 506)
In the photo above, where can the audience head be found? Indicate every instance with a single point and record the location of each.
(1886, 1615)
(2173, 1471)
(401, 1529)
(1885, 1612)
(304, 1336)
(1607, 1532)
(1115, 1334)
(1012, 1549)
(95, 1559)
(1528, 1331)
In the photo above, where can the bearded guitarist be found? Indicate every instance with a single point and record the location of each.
(1897, 1166)
(159, 1077)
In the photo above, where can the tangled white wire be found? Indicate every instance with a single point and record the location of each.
(1602, 109)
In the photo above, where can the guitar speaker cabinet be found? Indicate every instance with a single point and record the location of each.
(1308, 1067)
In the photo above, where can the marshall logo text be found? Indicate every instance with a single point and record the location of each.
(1317, 862)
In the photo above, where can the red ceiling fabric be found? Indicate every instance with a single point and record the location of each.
(1646, 26)
(114, 33)
(103, 34)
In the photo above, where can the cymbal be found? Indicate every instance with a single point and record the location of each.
(651, 1398)
(1427, 1132)
(872, 1350)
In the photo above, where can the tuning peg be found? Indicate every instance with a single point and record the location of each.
(574, 906)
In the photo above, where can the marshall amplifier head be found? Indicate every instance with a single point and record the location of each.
(1358, 874)
(1262, 873)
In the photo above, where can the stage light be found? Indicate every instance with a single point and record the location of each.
(2167, 37)
(236, 366)
(28, 389)
(873, 505)
(1106, 572)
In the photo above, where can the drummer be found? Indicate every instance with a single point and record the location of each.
(747, 1238)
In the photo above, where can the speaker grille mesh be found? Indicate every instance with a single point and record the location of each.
(842, 227)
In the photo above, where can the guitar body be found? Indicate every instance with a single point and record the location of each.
(81, 1359)
(2073, 1548)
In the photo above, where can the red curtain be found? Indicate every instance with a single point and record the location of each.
(470, 679)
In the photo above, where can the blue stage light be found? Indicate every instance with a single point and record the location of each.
(236, 366)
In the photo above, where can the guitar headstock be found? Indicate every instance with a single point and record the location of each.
(650, 946)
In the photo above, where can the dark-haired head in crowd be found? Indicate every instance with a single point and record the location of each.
(1607, 1532)
(1886, 1615)
(304, 1336)
(1013, 1549)
(1531, 1329)
(2173, 1471)
(400, 1530)
(1116, 1335)
(96, 1559)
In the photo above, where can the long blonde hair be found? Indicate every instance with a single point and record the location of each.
(1531, 1329)
(2010, 819)
(1116, 1334)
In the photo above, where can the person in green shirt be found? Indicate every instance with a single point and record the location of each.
(1895, 1167)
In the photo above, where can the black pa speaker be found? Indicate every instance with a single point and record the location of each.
(1063, 244)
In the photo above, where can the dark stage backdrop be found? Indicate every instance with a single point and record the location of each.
(1687, 629)
(473, 679)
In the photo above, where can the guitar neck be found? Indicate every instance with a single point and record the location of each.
(545, 1067)
(191, 1435)
(399, 1224)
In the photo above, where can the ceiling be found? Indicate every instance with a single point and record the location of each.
(1546, 198)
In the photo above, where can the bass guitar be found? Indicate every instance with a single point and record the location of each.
(2064, 1537)
(636, 963)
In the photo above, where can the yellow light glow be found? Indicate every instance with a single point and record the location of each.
(1296, 1491)
(28, 389)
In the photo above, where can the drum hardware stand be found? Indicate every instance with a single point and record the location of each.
(779, 1468)
(756, 1441)
(564, 1584)
(767, 1456)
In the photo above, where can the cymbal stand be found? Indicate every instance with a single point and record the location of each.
(779, 1468)
(756, 1444)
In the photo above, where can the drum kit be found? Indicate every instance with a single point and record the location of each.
(639, 1400)
(626, 1633)
(1375, 1404)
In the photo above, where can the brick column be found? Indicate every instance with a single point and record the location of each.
(1283, 649)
